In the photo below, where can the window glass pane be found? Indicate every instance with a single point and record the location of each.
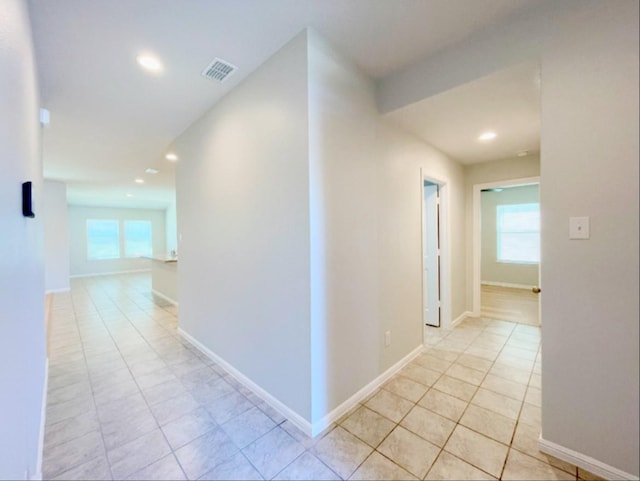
(518, 233)
(103, 239)
(137, 238)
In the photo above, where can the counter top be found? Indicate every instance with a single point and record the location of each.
(165, 260)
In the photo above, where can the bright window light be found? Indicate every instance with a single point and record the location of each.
(518, 232)
(103, 239)
(137, 238)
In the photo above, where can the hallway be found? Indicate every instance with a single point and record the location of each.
(129, 399)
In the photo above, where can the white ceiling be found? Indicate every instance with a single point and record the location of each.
(110, 120)
(506, 103)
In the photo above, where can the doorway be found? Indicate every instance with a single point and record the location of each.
(507, 251)
(431, 264)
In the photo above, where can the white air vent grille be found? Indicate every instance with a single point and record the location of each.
(219, 70)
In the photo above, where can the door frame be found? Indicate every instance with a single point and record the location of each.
(445, 249)
(477, 240)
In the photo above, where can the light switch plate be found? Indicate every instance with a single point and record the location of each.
(578, 227)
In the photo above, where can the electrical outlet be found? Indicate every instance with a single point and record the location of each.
(387, 338)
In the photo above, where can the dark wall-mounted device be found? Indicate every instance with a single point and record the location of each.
(27, 207)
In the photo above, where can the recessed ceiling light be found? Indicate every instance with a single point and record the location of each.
(149, 62)
(139, 181)
(487, 136)
(151, 170)
(171, 156)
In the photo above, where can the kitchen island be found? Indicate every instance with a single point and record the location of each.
(164, 278)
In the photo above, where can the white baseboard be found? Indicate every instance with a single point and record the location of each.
(583, 461)
(166, 298)
(43, 418)
(507, 284)
(112, 273)
(460, 318)
(56, 291)
(350, 403)
(300, 422)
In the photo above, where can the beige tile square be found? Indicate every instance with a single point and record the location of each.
(420, 374)
(341, 451)
(534, 396)
(273, 452)
(406, 388)
(443, 354)
(474, 362)
(449, 467)
(443, 404)
(489, 423)
(431, 362)
(377, 467)
(389, 405)
(477, 450)
(497, 403)
(511, 373)
(456, 387)
(522, 467)
(465, 374)
(536, 381)
(530, 415)
(526, 439)
(428, 425)
(368, 425)
(409, 451)
(305, 467)
(504, 386)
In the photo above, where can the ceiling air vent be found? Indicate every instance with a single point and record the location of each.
(219, 70)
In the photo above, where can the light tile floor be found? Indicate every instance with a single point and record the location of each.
(130, 399)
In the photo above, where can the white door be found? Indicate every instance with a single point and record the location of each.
(431, 255)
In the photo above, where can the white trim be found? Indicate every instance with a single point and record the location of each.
(460, 318)
(304, 425)
(477, 188)
(55, 291)
(275, 403)
(507, 284)
(112, 273)
(43, 416)
(343, 408)
(166, 298)
(583, 461)
(445, 246)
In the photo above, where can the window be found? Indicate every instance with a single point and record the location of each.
(137, 238)
(518, 233)
(103, 239)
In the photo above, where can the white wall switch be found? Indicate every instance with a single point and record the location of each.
(387, 338)
(578, 227)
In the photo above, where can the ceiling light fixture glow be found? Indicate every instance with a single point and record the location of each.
(139, 181)
(487, 136)
(149, 62)
(171, 157)
(151, 170)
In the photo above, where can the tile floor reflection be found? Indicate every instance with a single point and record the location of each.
(130, 399)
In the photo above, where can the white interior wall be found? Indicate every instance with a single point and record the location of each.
(171, 227)
(78, 216)
(22, 343)
(488, 172)
(366, 188)
(504, 272)
(243, 217)
(56, 237)
(590, 287)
